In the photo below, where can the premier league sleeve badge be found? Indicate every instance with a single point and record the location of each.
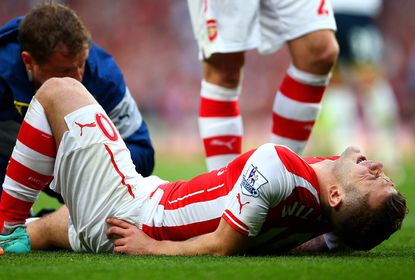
(252, 180)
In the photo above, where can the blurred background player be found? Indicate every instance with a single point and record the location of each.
(224, 31)
(360, 103)
(51, 41)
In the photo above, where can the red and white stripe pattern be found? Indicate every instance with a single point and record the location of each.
(235, 223)
(30, 167)
(188, 209)
(296, 107)
(220, 124)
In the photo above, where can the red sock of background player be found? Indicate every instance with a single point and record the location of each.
(296, 107)
(220, 124)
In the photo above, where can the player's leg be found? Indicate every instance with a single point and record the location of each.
(307, 26)
(32, 161)
(222, 50)
(220, 122)
(297, 102)
(94, 171)
(50, 231)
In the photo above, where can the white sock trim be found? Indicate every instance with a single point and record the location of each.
(308, 78)
(36, 117)
(212, 91)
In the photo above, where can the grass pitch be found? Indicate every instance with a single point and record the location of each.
(394, 259)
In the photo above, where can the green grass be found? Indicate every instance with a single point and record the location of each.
(394, 259)
(386, 263)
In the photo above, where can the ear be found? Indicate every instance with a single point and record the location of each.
(335, 196)
(27, 60)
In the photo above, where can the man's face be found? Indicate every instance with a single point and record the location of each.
(60, 64)
(364, 175)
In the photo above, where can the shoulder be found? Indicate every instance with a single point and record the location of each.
(103, 77)
(9, 45)
(296, 165)
(266, 163)
(100, 61)
(284, 168)
(12, 70)
(10, 29)
(265, 157)
(101, 68)
(96, 53)
(273, 154)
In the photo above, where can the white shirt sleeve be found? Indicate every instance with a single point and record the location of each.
(262, 184)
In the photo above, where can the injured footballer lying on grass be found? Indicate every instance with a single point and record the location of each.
(268, 200)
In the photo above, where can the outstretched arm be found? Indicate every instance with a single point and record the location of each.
(128, 239)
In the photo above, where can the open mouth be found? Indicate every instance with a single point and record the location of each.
(361, 159)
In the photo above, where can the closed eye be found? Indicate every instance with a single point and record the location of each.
(387, 179)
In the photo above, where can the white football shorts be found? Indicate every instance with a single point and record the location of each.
(96, 177)
(234, 25)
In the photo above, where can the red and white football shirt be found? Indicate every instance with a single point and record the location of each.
(270, 194)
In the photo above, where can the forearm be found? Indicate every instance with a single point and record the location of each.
(128, 239)
(202, 245)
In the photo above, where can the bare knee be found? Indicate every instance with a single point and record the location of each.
(61, 96)
(224, 69)
(52, 87)
(316, 52)
(325, 52)
(60, 89)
